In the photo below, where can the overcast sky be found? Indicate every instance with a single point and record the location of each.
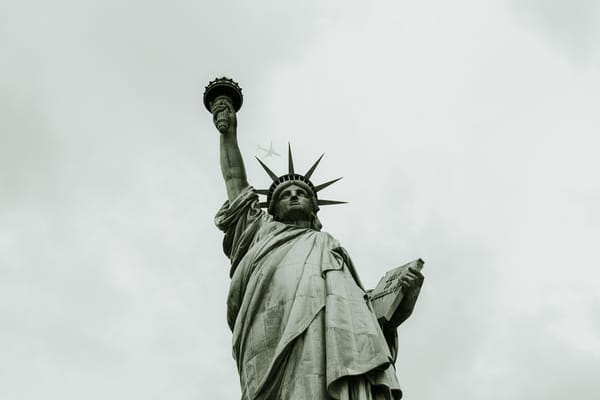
(466, 132)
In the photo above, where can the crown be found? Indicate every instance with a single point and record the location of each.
(292, 176)
(223, 87)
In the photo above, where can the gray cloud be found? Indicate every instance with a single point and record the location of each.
(104, 175)
(571, 25)
(112, 279)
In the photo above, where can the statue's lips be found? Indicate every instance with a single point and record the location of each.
(295, 205)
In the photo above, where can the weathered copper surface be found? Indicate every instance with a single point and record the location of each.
(303, 325)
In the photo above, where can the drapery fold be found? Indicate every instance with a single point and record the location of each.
(302, 326)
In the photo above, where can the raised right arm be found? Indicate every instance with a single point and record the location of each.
(232, 164)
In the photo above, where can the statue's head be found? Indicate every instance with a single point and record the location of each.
(294, 201)
(293, 197)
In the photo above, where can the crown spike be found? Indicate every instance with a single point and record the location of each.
(330, 202)
(324, 185)
(312, 169)
(262, 191)
(290, 160)
(271, 173)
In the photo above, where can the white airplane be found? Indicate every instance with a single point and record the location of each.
(268, 152)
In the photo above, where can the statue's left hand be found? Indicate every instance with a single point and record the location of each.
(412, 282)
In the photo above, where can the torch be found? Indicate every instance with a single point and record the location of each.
(223, 87)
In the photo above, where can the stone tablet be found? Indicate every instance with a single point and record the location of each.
(388, 294)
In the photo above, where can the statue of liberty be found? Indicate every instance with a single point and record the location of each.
(303, 325)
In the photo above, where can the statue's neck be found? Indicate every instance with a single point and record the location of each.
(301, 223)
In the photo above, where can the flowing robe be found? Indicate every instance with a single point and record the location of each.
(302, 325)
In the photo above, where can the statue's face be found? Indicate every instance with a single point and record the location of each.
(294, 203)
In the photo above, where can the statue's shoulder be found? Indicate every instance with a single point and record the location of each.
(328, 236)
